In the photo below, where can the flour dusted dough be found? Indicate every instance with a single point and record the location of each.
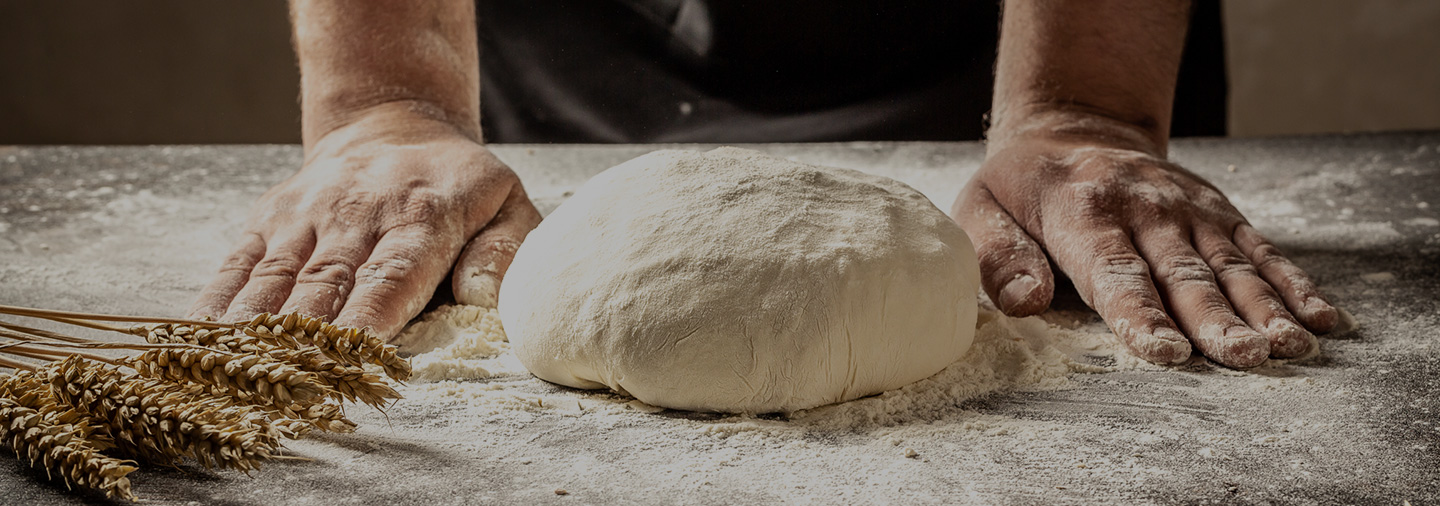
(734, 281)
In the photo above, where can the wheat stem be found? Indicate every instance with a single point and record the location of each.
(95, 345)
(43, 333)
(16, 364)
(71, 316)
(24, 350)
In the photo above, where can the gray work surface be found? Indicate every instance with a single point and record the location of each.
(139, 230)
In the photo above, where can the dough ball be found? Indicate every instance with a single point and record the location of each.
(734, 281)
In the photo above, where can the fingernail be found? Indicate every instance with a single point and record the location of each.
(1168, 334)
(1017, 291)
(1237, 346)
(1288, 339)
(1319, 314)
(1169, 347)
(478, 288)
(1239, 332)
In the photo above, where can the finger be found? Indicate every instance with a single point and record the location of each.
(393, 285)
(234, 272)
(1300, 294)
(272, 277)
(1189, 289)
(1013, 268)
(484, 261)
(1112, 277)
(1253, 299)
(322, 287)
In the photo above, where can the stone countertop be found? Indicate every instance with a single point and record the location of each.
(139, 230)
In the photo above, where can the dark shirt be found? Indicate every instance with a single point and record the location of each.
(731, 71)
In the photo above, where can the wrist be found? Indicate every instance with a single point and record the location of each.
(395, 122)
(1076, 124)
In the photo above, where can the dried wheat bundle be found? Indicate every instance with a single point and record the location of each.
(161, 421)
(345, 382)
(222, 394)
(61, 442)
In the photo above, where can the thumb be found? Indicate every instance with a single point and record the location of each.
(483, 262)
(1013, 267)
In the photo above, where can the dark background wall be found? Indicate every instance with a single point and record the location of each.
(210, 71)
(147, 71)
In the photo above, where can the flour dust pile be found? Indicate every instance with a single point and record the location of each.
(472, 366)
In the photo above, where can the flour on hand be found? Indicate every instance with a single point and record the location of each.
(734, 281)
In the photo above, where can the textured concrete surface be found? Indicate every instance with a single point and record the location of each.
(139, 230)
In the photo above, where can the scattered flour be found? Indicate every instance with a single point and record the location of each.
(465, 343)
(1378, 277)
(471, 362)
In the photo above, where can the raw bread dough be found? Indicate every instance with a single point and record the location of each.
(734, 281)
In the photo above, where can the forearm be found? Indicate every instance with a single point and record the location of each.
(1112, 60)
(417, 57)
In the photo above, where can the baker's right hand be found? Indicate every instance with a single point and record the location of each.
(372, 223)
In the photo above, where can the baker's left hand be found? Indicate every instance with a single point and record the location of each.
(1160, 253)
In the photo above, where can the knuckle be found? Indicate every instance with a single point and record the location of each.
(412, 207)
(1215, 202)
(504, 176)
(283, 264)
(355, 207)
(1016, 254)
(334, 272)
(1230, 263)
(1092, 197)
(388, 270)
(1121, 265)
(1120, 279)
(420, 206)
(239, 262)
(1180, 269)
(1266, 255)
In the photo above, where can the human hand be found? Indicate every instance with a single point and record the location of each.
(372, 223)
(1157, 251)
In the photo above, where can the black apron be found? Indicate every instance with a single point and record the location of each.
(730, 71)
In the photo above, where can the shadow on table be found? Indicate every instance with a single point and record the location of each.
(278, 479)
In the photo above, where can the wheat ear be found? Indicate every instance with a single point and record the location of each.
(245, 376)
(162, 421)
(58, 441)
(347, 345)
(344, 382)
